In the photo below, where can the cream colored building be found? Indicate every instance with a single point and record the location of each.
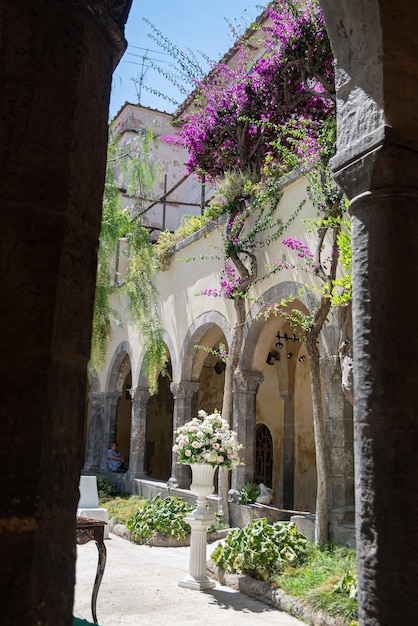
(272, 410)
(272, 398)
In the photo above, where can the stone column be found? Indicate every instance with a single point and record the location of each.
(95, 442)
(57, 60)
(139, 397)
(377, 166)
(246, 385)
(183, 395)
(385, 303)
(339, 433)
(288, 449)
(110, 408)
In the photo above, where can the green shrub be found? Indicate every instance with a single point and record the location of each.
(261, 550)
(160, 516)
(249, 493)
(105, 487)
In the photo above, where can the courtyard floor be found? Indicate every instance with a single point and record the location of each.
(140, 588)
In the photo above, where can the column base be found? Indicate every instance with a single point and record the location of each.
(200, 584)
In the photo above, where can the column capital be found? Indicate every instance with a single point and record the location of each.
(184, 389)
(140, 394)
(376, 164)
(111, 397)
(247, 382)
(97, 397)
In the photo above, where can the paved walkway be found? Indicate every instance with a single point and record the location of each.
(140, 588)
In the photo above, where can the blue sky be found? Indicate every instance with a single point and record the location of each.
(193, 24)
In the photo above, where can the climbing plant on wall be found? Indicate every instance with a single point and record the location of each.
(246, 125)
(126, 264)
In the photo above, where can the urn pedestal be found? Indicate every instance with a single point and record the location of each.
(199, 520)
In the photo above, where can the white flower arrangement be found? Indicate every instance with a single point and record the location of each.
(207, 439)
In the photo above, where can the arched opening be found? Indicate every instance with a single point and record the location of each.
(159, 430)
(211, 378)
(123, 418)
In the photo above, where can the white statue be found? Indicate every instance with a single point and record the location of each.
(266, 494)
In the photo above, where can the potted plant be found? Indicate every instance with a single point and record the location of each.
(205, 443)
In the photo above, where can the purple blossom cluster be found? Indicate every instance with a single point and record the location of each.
(300, 248)
(303, 252)
(229, 280)
(239, 113)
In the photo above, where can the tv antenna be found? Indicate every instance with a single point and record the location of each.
(144, 63)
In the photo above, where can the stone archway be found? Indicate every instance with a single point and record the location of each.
(208, 329)
(194, 336)
(152, 421)
(282, 401)
(116, 422)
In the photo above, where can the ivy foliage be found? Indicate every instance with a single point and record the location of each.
(342, 292)
(261, 550)
(165, 516)
(160, 516)
(126, 263)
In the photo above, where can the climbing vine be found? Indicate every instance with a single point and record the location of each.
(126, 263)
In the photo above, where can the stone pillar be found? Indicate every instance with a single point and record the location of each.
(56, 67)
(95, 442)
(246, 385)
(288, 449)
(183, 395)
(110, 408)
(377, 166)
(385, 270)
(339, 433)
(139, 397)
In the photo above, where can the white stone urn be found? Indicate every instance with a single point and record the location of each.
(202, 484)
(199, 520)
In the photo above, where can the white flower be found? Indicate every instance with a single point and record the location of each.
(207, 439)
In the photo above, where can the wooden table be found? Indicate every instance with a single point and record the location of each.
(93, 530)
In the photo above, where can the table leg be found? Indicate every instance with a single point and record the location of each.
(101, 548)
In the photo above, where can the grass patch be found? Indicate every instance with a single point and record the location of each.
(319, 581)
(122, 507)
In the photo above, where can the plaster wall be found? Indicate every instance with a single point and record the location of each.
(283, 399)
(179, 305)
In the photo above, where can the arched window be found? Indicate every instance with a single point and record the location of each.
(263, 455)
